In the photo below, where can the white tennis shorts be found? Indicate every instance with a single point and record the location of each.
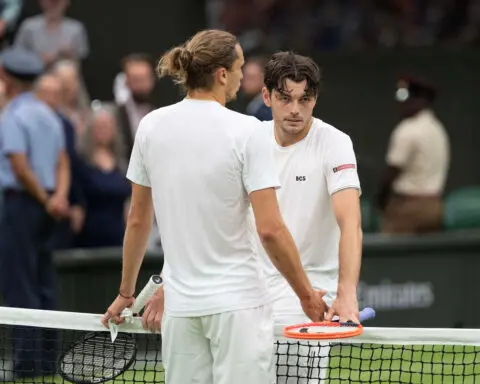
(226, 348)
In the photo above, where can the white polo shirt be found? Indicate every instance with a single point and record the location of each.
(311, 171)
(202, 160)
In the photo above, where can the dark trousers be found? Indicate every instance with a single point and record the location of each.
(28, 277)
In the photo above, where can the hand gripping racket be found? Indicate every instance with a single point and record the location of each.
(101, 356)
(147, 292)
(328, 330)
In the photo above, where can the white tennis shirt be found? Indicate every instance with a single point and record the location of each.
(311, 171)
(201, 161)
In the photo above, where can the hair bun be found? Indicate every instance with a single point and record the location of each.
(182, 58)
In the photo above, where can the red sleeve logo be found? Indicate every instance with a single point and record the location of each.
(343, 166)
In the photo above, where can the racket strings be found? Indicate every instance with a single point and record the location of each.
(97, 359)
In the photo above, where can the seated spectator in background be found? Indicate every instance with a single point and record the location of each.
(252, 85)
(104, 184)
(49, 90)
(418, 159)
(9, 13)
(140, 83)
(75, 99)
(52, 35)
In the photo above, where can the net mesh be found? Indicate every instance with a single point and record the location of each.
(31, 342)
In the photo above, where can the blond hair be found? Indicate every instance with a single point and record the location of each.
(194, 63)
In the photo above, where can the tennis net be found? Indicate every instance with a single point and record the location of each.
(32, 340)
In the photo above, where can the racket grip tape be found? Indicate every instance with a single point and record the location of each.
(146, 293)
(365, 314)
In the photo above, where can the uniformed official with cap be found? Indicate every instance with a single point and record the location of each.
(35, 179)
(418, 159)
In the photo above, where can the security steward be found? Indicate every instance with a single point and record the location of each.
(35, 179)
(418, 160)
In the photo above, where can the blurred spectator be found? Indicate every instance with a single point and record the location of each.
(76, 102)
(104, 184)
(9, 13)
(34, 175)
(140, 82)
(252, 85)
(418, 159)
(52, 35)
(49, 90)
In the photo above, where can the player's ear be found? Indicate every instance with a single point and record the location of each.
(221, 75)
(266, 97)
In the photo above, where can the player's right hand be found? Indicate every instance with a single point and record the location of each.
(314, 306)
(153, 314)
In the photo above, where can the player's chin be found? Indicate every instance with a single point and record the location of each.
(295, 124)
(232, 96)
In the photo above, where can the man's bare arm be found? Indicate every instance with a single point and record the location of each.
(139, 225)
(346, 207)
(278, 241)
(23, 172)
(63, 175)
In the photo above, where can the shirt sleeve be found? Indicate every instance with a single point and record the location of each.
(13, 136)
(341, 166)
(137, 170)
(400, 147)
(259, 170)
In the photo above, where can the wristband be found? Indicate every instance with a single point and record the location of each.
(125, 297)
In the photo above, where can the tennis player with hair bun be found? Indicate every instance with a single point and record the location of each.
(320, 203)
(200, 166)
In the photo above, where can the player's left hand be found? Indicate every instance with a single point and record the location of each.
(345, 307)
(114, 311)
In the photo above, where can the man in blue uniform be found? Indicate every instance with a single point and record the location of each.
(35, 179)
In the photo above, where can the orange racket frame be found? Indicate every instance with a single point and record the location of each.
(294, 331)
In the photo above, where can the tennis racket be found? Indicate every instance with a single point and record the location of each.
(329, 330)
(102, 356)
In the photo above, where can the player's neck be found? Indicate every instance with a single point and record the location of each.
(200, 94)
(285, 139)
